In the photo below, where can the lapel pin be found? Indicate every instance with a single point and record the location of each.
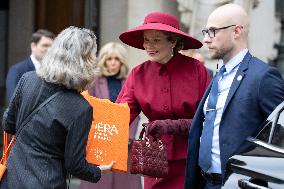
(239, 78)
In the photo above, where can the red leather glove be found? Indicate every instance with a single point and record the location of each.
(171, 127)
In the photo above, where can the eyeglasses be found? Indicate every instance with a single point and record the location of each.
(212, 31)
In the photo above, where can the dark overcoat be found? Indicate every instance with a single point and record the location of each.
(53, 142)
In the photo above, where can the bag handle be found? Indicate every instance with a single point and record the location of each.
(143, 131)
(6, 147)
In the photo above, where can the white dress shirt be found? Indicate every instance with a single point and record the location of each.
(224, 85)
(35, 62)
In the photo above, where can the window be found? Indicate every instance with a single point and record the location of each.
(278, 134)
(265, 132)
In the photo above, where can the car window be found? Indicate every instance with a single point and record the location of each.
(264, 134)
(278, 134)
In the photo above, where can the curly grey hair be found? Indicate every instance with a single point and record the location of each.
(71, 60)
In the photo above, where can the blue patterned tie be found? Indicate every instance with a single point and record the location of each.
(207, 133)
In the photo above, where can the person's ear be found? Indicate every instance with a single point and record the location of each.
(33, 45)
(174, 44)
(238, 31)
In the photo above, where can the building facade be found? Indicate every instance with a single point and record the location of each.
(108, 18)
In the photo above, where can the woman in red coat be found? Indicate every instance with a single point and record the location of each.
(167, 89)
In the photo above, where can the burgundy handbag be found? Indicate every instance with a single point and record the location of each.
(148, 157)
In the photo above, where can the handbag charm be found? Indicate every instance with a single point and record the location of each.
(148, 157)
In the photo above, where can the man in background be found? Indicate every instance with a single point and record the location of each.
(41, 40)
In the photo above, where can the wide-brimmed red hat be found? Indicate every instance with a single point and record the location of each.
(158, 21)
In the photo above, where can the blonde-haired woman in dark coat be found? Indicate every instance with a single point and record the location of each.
(112, 62)
(53, 142)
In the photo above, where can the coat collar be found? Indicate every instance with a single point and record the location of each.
(175, 61)
(235, 84)
(30, 64)
(238, 78)
(99, 87)
(103, 87)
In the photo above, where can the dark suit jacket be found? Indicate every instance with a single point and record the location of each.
(53, 142)
(14, 74)
(249, 102)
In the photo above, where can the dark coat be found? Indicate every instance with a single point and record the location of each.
(99, 89)
(256, 90)
(53, 142)
(15, 73)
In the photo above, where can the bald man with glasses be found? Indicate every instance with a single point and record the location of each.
(238, 101)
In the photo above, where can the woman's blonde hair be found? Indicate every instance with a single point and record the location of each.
(71, 60)
(106, 52)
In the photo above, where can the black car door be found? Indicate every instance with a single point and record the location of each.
(262, 165)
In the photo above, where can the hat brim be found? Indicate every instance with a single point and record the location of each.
(134, 37)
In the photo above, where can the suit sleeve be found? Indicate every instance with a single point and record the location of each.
(127, 95)
(75, 149)
(12, 80)
(271, 91)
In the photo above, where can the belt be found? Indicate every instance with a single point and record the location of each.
(214, 178)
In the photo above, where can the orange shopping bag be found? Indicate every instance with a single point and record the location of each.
(108, 136)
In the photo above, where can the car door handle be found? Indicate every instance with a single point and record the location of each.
(245, 184)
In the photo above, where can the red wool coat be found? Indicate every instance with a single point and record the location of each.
(169, 91)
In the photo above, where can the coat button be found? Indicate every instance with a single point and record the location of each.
(164, 90)
(165, 73)
(166, 107)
